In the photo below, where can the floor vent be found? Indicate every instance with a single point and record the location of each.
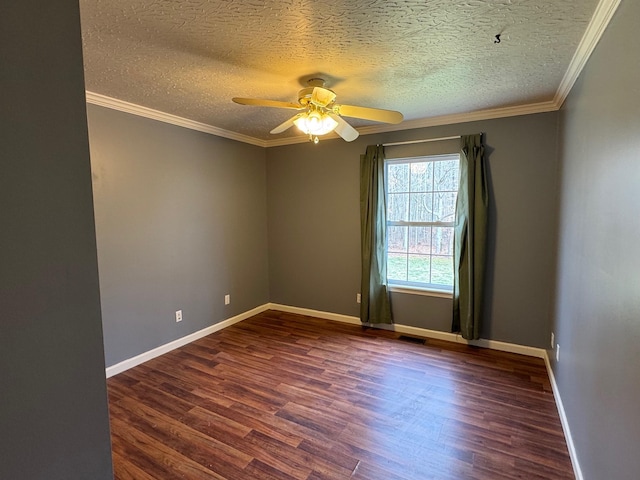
(406, 338)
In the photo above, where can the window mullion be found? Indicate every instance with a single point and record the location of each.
(392, 223)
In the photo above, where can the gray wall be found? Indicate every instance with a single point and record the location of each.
(181, 221)
(598, 310)
(314, 227)
(53, 407)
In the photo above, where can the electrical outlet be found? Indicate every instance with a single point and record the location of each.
(553, 340)
(358, 298)
(178, 315)
(557, 352)
(227, 299)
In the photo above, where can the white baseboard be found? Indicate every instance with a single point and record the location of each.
(421, 332)
(338, 317)
(563, 420)
(156, 352)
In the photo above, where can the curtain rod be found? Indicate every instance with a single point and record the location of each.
(420, 141)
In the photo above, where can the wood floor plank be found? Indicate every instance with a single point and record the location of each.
(285, 396)
(163, 461)
(125, 470)
(183, 439)
(142, 456)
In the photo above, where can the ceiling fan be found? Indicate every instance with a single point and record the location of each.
(319, 114)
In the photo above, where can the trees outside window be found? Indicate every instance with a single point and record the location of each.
(421, 202)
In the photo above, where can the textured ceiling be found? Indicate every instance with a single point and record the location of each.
(424, 58)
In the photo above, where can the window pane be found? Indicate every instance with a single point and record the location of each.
(421, 207)
(421, 176)
(419, 268)
(444, 207)
(420, 240)
(397, 177)
(446, 175)
(397, 239)
(442, 270)
(442, 241)
(422, 190)
(397, 266)
(397, 207)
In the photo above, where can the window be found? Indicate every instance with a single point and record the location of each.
(421, 202)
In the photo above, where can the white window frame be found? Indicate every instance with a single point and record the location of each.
(418, 288)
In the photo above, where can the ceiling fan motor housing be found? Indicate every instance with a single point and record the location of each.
(304, 95)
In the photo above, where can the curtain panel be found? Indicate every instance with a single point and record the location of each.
(375, 305)
(470, 239)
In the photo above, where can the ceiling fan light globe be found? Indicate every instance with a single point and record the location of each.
(328, 124)
(301, 123)
(315, 123)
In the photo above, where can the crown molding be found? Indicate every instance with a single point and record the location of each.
(434, 121)
(122, 106)
(488, 114)
(503, 112)
(598, 24)
(601, 18)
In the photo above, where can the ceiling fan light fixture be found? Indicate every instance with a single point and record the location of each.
(319, 114)
(315, 123)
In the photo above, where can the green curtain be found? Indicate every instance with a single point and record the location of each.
(374, 302)
(470, 239)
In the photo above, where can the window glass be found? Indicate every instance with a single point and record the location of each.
(421, 202)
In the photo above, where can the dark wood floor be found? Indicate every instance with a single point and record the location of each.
(283, 396)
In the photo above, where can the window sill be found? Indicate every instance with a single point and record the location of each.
(427, 292)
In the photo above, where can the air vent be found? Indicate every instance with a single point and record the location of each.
(416, 340)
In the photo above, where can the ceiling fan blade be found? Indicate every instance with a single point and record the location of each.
(285, 125)
(366, 113)
(346, 131)
(322, 97)
(267, 103)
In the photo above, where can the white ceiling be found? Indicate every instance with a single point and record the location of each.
(429, 59)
